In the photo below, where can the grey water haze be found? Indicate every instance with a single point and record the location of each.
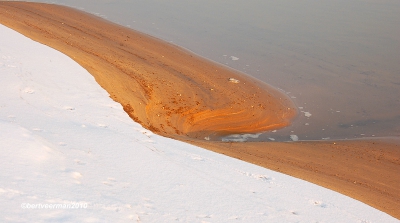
(339, 60)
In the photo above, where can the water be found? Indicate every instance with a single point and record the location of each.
(338, 60)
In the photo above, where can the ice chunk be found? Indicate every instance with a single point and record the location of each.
(294, 137)
(240, 137)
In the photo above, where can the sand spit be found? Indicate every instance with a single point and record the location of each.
(166, 89)
(177, 94)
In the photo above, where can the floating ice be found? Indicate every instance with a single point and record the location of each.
(234, 58)
(307, 114)
(240, 137)
(294, 137)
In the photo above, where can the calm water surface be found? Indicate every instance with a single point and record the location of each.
(339, 60)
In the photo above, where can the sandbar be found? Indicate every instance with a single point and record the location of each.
(166, 89)
(177, 94)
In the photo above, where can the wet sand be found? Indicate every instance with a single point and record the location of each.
(177, 94)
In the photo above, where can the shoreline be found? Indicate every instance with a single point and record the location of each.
(316, 162)
(166, 89)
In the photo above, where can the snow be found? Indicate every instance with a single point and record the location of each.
(63, 141)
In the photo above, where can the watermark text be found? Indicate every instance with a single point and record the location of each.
(54, 206)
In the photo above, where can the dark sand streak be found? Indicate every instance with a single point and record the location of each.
(177, 94)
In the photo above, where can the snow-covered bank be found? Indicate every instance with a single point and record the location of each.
(63, 141)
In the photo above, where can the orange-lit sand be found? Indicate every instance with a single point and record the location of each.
(165, 88)
(366, 170)
(177, 94)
